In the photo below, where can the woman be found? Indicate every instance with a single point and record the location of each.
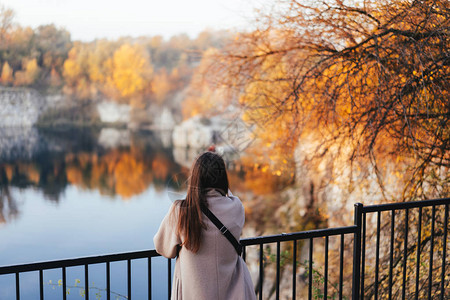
(208, 266)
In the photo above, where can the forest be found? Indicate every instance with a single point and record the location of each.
(127, 70)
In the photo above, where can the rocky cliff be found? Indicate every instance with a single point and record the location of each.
(20, 107)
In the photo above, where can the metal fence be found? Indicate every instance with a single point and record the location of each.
(415, 252)
(397, 234)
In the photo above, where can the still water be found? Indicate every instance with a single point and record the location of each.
(66, 194)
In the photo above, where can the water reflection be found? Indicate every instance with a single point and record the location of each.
(8, 206)
(115, 162)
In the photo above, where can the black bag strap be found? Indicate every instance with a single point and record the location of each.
(223, 229)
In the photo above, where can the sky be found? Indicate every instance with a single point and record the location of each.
(87, 20)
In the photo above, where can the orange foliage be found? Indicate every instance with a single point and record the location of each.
(29, 75)
(6, 76)
(123, 172)
(129, 176)
(160, 167)
(161, 86)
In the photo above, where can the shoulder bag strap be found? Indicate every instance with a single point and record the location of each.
(223, 229)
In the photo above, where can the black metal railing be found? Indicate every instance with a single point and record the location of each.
(360, 238)
(86, 262)
(411, 228)
(310, 236)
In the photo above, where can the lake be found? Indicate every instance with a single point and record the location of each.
(83, 192)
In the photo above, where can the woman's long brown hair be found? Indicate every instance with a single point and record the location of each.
(208, 172)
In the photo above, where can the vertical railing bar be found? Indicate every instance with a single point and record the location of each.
(310, 268)
(149, 263)
(294, 270)
(64, 283)
(419, 237)
(86, 281)
(341, 268)
(356, 279)
(391, 253)
(405, 254)
(444, 250)
(108, 280)
(325, 281)
(41, 284)
(377, 255)
(261, 270)
(363, 258)
(277, 291)
(129, 278)
(169, 277)
(430, 274)
(17, 286)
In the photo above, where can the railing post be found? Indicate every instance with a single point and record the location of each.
(356, 277)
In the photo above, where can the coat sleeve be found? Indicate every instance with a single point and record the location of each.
(240, 216)
(167, 240)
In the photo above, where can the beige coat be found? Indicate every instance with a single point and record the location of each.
(215, 272)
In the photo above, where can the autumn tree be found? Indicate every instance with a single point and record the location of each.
(130, 70)
(360, 84)
(52, 44)
(161, 86)
(35, 56)
(29, 74)
(6, 24)
(7, 74)
(370, 76)
(75, 72)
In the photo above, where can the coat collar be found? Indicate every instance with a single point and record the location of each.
(213, 193)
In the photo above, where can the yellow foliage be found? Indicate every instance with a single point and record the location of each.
(161, 85)
(131, 70)
(7, 74)
(29, 74)
(72, 69)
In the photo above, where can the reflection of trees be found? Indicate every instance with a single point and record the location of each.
(74, 157)
(52, 177)
(8, 206)
(126, 172)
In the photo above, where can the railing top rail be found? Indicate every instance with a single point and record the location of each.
(298, 235)
(404, 205)
(77, 261)
(152, 253)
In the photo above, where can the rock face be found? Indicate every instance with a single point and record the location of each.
(332, 183)
(198, 132)
(20, 107)
(195, 135)
(165, 120)
(111, 112)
